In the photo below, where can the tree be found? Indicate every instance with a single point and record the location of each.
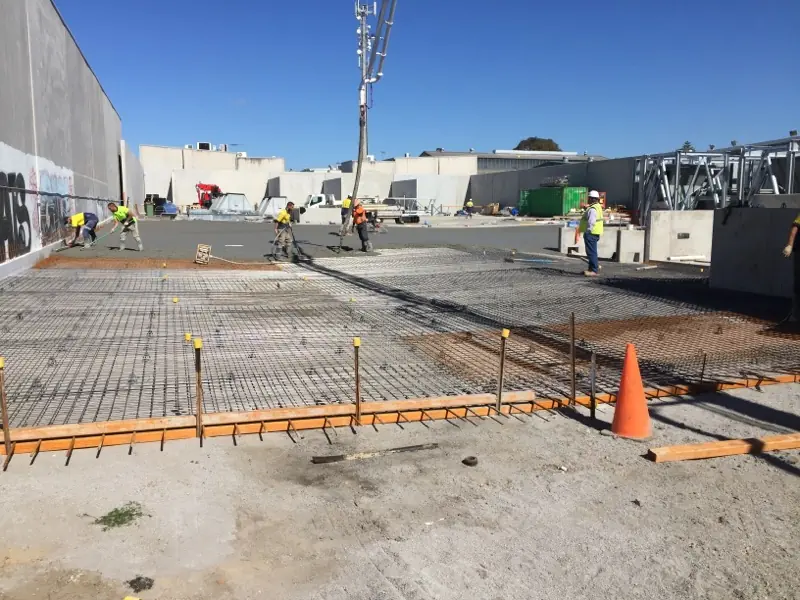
(687, 147)
(537, 143)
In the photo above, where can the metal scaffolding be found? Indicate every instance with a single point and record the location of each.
(720, 177)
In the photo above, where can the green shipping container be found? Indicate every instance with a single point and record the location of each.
(552, 201)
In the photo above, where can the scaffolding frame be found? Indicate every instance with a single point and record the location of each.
(728, 176)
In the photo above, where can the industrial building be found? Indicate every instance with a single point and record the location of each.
(514, 160)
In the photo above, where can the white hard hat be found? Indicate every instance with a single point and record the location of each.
(594, 194)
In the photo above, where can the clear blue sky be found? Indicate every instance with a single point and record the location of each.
(611, 77)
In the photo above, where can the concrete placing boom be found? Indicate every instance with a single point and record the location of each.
(370, 46)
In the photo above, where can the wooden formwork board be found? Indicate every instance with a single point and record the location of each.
(769, 443)
(292, 420)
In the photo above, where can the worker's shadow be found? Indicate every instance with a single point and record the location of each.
(337, 249)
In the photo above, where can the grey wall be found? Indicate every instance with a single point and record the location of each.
(132, 177)
(58, 130)
(615, 177)
(676, 233)
(747, 251)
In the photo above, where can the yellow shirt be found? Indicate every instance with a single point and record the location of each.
(283, 218)
(122, 215)
(78, 220)
(346, 203)
(469, 204)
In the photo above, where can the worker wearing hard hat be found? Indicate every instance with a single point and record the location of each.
(789, 250)
(283, 228)
(360, 225)
(469, 206)
(347, 203)
(85, 222)
(123, 216)
(591, 226)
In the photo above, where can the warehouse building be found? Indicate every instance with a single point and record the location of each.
(513, 160)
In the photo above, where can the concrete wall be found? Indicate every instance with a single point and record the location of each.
(159, 163)
(298, 186)
(447, 192)
(58, 130)
(371, 184)
(669, 230)
(615, 177)
(747, 251)
(251, 184)
(619, 243)
(418, 165)
(132, 177)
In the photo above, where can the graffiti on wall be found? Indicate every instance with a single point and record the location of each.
(52, 209)
(29, 220)
(15, 219)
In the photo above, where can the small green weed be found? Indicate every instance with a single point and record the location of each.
(119, 517)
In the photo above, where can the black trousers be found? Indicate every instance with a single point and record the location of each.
(796, 290)
(363, 235)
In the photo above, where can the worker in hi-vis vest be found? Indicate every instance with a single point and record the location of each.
(469, 206)
(347, 203)
(789, 250)
(591, 226)
(283, 228)
(86, 223)
(122, 215)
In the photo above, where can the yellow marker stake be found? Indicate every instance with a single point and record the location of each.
(187, 337)
(506, 333)
(175, 300)
(198, 343)
(352, 299)
(2, 363)
(356, 342)
(163, 265)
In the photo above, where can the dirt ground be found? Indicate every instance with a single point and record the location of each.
(554, 509)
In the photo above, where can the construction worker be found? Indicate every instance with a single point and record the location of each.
(346, 205)
(283, 228)
(469, 205)
(123, 216)
(591, 226)
(360, 224)
(787, 252)
(85, 222)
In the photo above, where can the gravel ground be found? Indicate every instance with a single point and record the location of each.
(553, 510)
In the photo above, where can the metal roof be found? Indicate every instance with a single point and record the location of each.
(556, 156)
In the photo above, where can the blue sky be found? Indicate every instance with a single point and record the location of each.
(610, 77)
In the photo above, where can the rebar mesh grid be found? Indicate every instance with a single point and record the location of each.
(94, 345)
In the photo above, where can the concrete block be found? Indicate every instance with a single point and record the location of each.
(630, 245)
(747, 251)
(606, 247)
(680, 233)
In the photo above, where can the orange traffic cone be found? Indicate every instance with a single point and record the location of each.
(631, 417)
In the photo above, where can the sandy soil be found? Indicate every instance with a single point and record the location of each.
(554, 509)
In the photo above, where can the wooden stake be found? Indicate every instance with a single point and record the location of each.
(572, 358)
(4, 407)
(356, 346)
(592, 382)
(198, 347)
(503, 337)
(767, 443)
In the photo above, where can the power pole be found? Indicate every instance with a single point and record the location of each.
(370, 46)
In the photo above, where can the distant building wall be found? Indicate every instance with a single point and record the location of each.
(58, 130)
(371, 184)
(132, 177)
(442, 193)
(159, 163)
(253, 184)
(298, 186)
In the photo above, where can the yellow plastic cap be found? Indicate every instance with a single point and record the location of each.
(198, 343)
(2, 363)
(356, 342)
(175, 299)
(187, 337)
(505, 333)
(163, 265)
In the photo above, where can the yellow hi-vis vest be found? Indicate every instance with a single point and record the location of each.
(346, 203)
(78, 220)
(597, 229)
